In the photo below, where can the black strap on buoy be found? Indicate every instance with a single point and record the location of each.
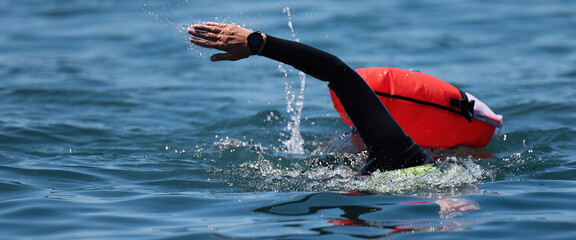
(464, 106)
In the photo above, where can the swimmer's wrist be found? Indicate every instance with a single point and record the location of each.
(263, 44)
(256, 41)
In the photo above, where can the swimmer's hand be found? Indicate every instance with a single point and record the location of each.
(229, 38)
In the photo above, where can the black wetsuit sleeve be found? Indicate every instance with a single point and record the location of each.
(388, 146)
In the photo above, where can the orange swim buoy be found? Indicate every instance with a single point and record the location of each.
(433, 112)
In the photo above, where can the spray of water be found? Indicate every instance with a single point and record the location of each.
(262, 169)
(158, 12)
(294, 101)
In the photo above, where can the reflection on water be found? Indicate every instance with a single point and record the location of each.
(357, 214)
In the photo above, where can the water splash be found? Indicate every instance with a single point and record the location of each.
(253, 167)
(294, 103)
(287, 11)
(267, 169)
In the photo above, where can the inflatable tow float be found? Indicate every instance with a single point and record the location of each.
(433, 112)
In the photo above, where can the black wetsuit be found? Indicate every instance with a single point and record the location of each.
(388, 146)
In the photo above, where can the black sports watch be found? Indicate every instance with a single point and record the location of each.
(255, 41)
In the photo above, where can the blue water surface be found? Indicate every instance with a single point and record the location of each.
(113, 127)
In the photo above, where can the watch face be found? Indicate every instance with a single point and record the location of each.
(255, 39)
(254, 42)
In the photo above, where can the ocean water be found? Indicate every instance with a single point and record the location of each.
(113, 127)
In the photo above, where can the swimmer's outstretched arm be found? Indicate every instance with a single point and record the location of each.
(388, 146)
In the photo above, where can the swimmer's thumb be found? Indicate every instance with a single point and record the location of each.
(225, 56)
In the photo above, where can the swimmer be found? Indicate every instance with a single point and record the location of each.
(387, 145)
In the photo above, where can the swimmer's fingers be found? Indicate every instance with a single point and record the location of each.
(203, 34)
(218, 25)
(210, 27)
(213, 31)
(206, 39)
(205, 43)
